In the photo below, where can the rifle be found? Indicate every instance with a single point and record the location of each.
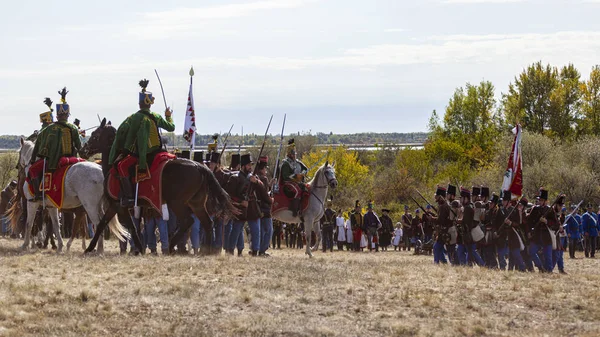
(225, 142)
(276, 186)
(430, 204)
(421, 207)
(259, 154)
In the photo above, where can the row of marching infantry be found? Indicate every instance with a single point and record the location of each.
(505, 232)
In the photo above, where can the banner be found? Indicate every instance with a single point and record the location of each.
(189, 125)
(513, 178)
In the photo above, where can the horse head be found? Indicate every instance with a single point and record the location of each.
(329, 174)
(25, 152)
(100, 140)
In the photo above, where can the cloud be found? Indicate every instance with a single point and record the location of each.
(190, 20)
(579, 47)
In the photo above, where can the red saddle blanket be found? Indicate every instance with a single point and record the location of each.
(149, 189)
(281, 201)
(54, 182)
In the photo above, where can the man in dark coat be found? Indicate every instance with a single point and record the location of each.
(386, 230)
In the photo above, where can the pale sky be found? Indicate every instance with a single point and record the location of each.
(332, 65)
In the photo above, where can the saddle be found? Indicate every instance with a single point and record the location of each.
(53, 183)
(149, 189)
(281, 201)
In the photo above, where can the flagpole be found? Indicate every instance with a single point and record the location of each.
(191, 102)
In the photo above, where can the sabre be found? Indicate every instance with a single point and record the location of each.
(276, 187)
(575, 210)
(161, 88)
(43, 185)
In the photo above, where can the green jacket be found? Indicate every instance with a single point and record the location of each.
(139, 135)
(57, 140)
(290, 168)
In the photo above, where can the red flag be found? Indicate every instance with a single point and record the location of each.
(513, 178)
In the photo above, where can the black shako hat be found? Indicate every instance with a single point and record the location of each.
(246, 159)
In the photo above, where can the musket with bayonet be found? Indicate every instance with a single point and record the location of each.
(225, 142)
(250, 191)
(427, 201)
(275, 189)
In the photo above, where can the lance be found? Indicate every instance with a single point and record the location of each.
(165, 101)
(279, 150)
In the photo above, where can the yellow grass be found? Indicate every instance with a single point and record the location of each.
(333, 294)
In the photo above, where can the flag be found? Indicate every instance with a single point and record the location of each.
(513, 178)
(189, 125)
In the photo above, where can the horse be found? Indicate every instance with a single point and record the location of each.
(319, 185)
(83, 186)
(187, 188)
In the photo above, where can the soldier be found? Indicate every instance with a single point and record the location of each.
(46, 119)
(443, 223)
(265, 202)
(573, 234)
(371, 224)
(515, 236)
(57, 140)
(139, 135)
(356, 222)
(542, 222)
(276, 234)
(455, 210)
(293, 172)
(416, 228)
(293, 230)
(590, 230)
(327, 223)
(502, 235)
(466, 249)
(386, 230)
(407, 219)
(488, 246)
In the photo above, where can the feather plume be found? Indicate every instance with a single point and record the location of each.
(215, 136)
(291, 141)
(48, 102)
(144, 84)
(63, 94)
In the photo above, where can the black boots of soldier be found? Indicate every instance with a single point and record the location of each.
(295, 206)
(35, 182)
(127, 197)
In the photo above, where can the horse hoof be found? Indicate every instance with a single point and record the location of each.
(25, 248)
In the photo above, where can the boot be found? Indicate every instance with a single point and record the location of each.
(295, 207)
(35, 182)
(127, 197)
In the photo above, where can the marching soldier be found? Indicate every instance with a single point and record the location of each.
(265, 202)
(57, 140)
(512, 230)
(327, 223)
(488, 244)
(542, 222)
(443, 223)
(466, 247)
(139, 135)
(293, 172)
(502, 235)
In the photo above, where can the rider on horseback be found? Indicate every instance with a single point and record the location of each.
(46, 119)
(293, 173)
(54, 141)
(139, 136)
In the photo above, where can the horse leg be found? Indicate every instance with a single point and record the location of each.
(198, 206)
(308, 225)
(74, 233)
(184, 217)
(317, 236)
(110, 213)
(31, 210)
(124, 214)
(53, 213)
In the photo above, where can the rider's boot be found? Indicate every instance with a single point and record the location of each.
(35, 183)
(127, 197)
(295, 207)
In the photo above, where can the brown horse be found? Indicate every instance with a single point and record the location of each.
(188, 188)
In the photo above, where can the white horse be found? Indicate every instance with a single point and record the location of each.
(324, 178)
(84, 186)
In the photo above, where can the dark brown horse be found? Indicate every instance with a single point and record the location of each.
(188, 188)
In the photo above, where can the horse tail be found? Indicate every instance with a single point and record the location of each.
(218, 201)
(113, 224)
(14, 212)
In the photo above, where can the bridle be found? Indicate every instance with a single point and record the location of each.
(330, 178)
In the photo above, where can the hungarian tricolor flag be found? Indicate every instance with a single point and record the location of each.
(513, 178)
(189, 125)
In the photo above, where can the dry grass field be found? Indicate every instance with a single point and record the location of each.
(334, 294)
